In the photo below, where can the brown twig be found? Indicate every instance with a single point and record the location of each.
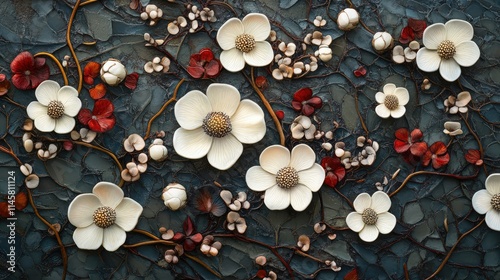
(200, 262)
(70, 46)
(56, 61)
(150, 242)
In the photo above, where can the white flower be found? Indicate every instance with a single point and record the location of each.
(113, 72)
(216, 124)
(488, 201)
(55, 108)
(243, 41)
(391, 101)
(348, 19)
(174, 196)
(288, 178)
(447, 47)
(158, 151)
(452, 128)
(382, 41)
(102, 217)
(371, 216)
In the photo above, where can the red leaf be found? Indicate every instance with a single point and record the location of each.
(92, 69)
(178, 236)
(131, 80)
(407, 35)
(402, 146)
(88, 80)
(84, 116)
(261, 273)
(195, 60)
(426, 159)
(206, 54)
(352, 275)
(28, 72)
(22, 62)
(98, 91)
(418, 149)
(188, 226)
(103, 108)
(68, 145)
(302, 94)
(102, 124)
(360, 72)
(196, 71)
(197, 238)
(335, 172)
(438, 148)
(4, 209)
(402, 134)
(416, 135)
(307, 110)
(280, 114)
(212, 68)
(21, 81)
(331, 179)
(21, 201)
(474, 157)
(440, 161)
(4, 84)
(297, 105)
(189, 245)
(315, 102)
(418, 26)
(261, 82)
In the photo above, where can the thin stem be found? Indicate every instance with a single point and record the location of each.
(56, 233)
(146, 233)
(270, 110)
(11, 153)
(200, 262)
(70, 46)
(56, 61)
(172, 99)
(356, 102)
(150, 242)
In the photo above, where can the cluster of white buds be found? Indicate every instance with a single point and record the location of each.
(158, 151)
(324, 52)
(132, 171)
(302, 127)
(113, 72)
(382, 41)
(408, 54)
(235, 222)
(134, 142)
(152, 41)
(174, 196)
(172, 255)
(157, 65)
(304, 243)
(366, 156)
(152, 13)
(347, 19)
(457, 104)
(209, 247)
(174, 26)
(453, 128)
(333, 265)
(235, 203)
(65, 61)
(287, 49)
(319, 21)
(380, 185)
(426, 84)
(45, 154)
(292, 70)
(319, 227)
(31, 179)
(85, 134)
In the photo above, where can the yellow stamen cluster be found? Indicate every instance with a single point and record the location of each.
(55, 109)
(369, 216)
(495, 202)
(104, 216)
(217, 124)
(391, 102)
(446, 49)
(245, 42)
(287, 177)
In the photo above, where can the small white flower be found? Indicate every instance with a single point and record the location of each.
(324, 53)
(392, 101)
(287, 178)
(458, 104)
(319, 21)
(447, 47)
(216, 124)
(55, 108)
(348, 19)
(103, 217)
(158, 151)
(398, 54)
(371, 216)
(452, 128)
(382, 41)
(289, 49)
(488, 201)
(174, 196)
(243, 42)
(113, 72)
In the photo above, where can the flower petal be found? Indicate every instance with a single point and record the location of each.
(493, 219)
(458, 31)
(467, 53)
(380, 202)
(302, 157)
(355, 221)
(313, 177)
(36, 109)
(226, 36)
(389, 89)
(47, 91)
(248, 124)
(44, 123)
(398, 112)
(108, 193)
(68, 96)
(403, 95)
(277, 198)
(257, 25)
(81, 210)
(380, 97)
(449, 70)
(428, 60)
(192, 144)
(127, 214)
(382, 111)
(260, 56)
(368, 233)
(300, 197)
(434, 35)
(114, 237)
(492, 183)
(191, 109)
(362, 202)
(385, 222)
(273, 158)
(223, 98)
(64, 124)
(88, 238)
(232, 60)
(481, 201)
(224, 152)
(258, 179)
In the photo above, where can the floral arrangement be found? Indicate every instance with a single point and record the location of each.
(256, 140)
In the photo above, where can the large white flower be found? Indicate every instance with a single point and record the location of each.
(102, 217)
(371, 216)
(215, 125)
(55, 108)
(286, 178)
(392, 101)
(488, 201)
(447, 47)
(243, 41)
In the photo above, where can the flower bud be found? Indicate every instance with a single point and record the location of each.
(158, 152)
(324, 53)
(348, 19)
(382, 41)
(174, 196)
(113, 72)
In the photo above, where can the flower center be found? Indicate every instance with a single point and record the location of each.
(245, 42)
(27, 72)
(391, 102)
(104, 216)
(217, 124)
(287, 177)
(495, 202)
(446, 49)
(369, 216)
(55, 109)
